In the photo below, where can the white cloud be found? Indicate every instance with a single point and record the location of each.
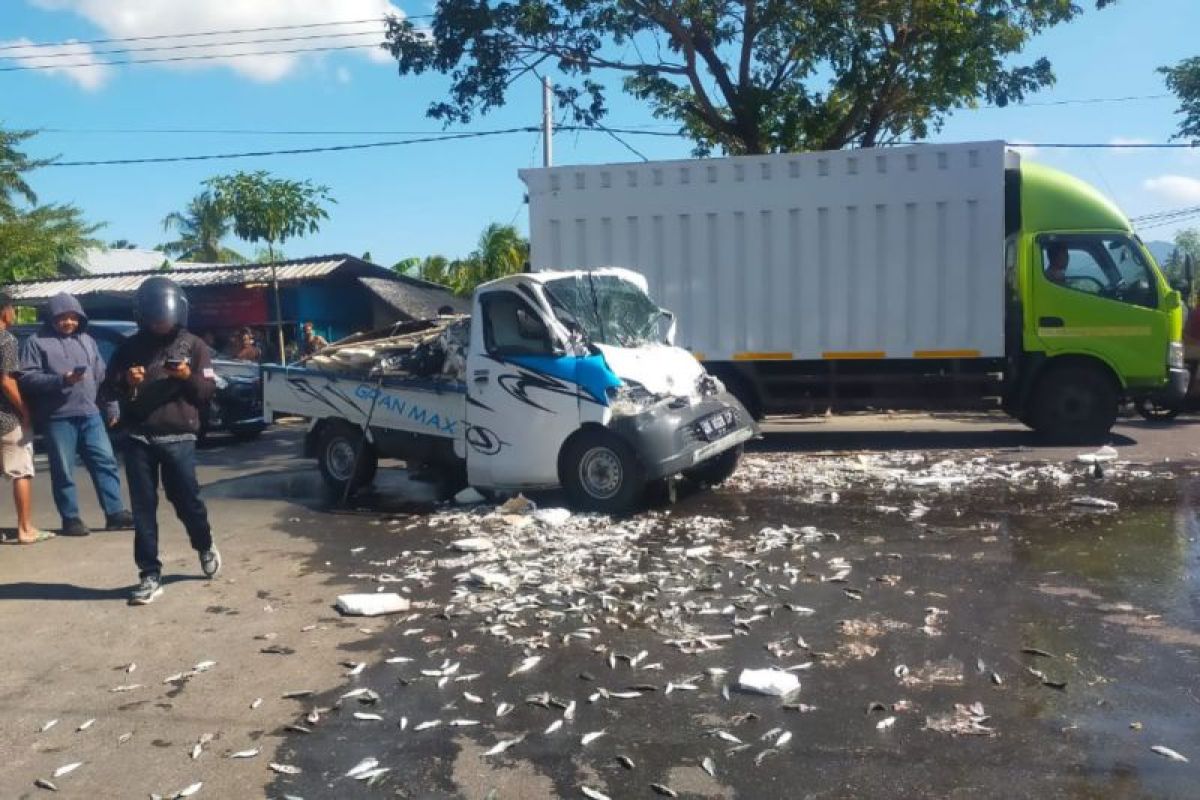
(1124, 149)
(73, 61)
(132, 18)
(1025, 149)
(1174, 188)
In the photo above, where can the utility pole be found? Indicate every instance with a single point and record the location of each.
(547, 124)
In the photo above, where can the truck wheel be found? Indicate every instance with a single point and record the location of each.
(337, 454)
(1075, 404)
(717, 469)
(600, 472)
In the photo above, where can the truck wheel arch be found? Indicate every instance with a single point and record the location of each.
(1099, 381)
(1086, 360)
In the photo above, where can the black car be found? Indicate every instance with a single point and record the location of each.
(236, 406)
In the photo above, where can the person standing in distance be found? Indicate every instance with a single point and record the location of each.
(61, 370)
(162, 376)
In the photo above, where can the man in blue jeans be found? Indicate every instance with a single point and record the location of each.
(61, 370)
(162, 376)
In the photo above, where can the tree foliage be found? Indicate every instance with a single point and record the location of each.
(201, 228)
(34, 239)
(500, 251)
(742, 76)
(268, 209)
(1184, 80)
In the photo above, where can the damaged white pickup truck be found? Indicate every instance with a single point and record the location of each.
(557, 379)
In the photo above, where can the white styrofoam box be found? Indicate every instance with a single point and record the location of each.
(896, 251)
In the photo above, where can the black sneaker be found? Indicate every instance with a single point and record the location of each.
(73, 526)
(120, 521)
(146, 591)
(210, 562)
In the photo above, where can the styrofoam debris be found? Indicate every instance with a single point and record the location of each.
(475, 544)
(773, 682)
(1106, 453)
(552, 516)
(371, 605)
(469, 497)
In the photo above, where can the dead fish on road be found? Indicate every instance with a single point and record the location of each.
(464, 723)
(85, 725)
(364, 766)
(500, 747)
(187, 791)
(284, 769)
(709, 766)
(594, 794)
(626, 762)
(525, 666)
(1167, 752)
(67, 769)
(48, 726)
(424, 726)
(558, 723)
(588, 738)
(665, 791)
(126, 688)
(245, 753)
(42, 783)
(362, 715)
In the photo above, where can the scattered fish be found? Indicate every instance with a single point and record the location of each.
(594, 794)
(67, 769)
(1167, 752)
(665, 791)
(42, 783)
(245, 753)
(256, 703)
(885, 723)
(366, 717)
(188, 791)
(464, 723)
(554, 726)
(124, 737)
(85, 725)
(588, 738)
(364, 766)
(284, 769)
(709, 766)
(525, 665)
(626, 762)
(500, 747)
(424, 726)
(48, 726)
(126, 688)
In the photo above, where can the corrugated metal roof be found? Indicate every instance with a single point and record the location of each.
(230, 275)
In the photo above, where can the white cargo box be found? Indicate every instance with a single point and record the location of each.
(884, 253)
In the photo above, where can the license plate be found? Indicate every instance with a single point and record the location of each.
(714, 426)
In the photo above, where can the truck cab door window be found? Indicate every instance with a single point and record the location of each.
(1104, 266)
(512, 327)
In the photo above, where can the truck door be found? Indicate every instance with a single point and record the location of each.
(1096, 293)
(519, 412)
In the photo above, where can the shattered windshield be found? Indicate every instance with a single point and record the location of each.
(609, 309)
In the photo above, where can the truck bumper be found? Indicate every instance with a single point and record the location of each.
(1176, 388)
(670, 440)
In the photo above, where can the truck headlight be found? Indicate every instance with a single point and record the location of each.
(629, 399)
(1175, 355)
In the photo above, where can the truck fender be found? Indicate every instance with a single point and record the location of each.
(315, 428)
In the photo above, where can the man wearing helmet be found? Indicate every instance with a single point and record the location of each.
(162, 376)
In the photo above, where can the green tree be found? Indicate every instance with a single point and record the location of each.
(122, 244)
(270, 210)
(435, 269)
(1184, 80)
(201, 228)
(501, 251)
(34, 239)
(747, 76)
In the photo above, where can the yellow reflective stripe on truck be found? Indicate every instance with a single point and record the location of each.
(946, 354)
(755, 356)
(1110, 330)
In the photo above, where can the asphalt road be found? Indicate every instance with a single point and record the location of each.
(1113, 598)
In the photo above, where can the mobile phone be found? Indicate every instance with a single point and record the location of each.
(79, 370)
(174, 363)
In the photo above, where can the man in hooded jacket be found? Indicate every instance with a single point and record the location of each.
(162, 376)
(61, 371)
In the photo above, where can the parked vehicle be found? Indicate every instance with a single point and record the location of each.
(908, 277)
(557, 379)
(236, 406)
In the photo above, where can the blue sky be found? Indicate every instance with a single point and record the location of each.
(435, 198)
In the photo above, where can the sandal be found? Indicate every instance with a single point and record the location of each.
(40, 537)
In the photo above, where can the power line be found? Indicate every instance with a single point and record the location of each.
(1106, 145)
(278, 131)
(194, 34)
(208, 57)
(176, 47)
(1080, 101)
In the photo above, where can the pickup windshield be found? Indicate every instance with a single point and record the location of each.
(608, 309)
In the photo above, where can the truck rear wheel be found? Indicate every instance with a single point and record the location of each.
(601, 472)
(1075, 404)
(717, 469)
(339, 459)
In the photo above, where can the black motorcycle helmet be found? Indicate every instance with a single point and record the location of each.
(160, 299)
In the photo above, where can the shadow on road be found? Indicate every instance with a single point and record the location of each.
(27, 590)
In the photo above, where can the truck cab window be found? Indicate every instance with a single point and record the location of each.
(512, 327)
(1104, 266)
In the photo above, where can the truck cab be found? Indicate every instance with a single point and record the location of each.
(1097, 319)
(573, 380)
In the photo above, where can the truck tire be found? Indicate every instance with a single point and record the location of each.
(717, 469)
(1074, 404)
(600, 472)
(337, 456)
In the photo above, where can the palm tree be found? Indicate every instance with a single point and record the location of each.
(501, 251)
(201, 229)
(13, 162)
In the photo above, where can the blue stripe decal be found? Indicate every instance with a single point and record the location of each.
(591, 373)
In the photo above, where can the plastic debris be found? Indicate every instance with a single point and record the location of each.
(371, 605)
(1106, 453)
(476, 544)
(469, 497)
(772, 682)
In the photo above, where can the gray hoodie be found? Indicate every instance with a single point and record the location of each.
(47, 356)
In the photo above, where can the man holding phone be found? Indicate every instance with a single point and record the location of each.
(61, 371)
(162, 376)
